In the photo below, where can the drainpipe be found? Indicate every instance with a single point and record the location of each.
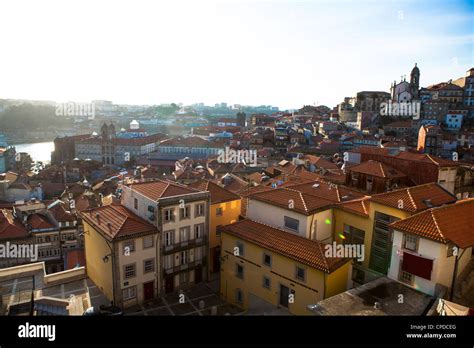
(456, 261)
(112, 256)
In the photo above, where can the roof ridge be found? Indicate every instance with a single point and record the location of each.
(126, 217)
(436, 223)
(381, 169)
(411, 198)
(304, 202)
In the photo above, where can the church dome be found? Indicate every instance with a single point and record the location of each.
(134, 124)
(415, 70)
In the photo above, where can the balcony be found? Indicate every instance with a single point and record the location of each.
(185, 245)
(187, 266)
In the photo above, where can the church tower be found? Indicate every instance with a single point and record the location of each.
(415, 82)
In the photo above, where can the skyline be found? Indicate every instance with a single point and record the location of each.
(250, 53)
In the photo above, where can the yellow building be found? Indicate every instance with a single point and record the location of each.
(366, 221)
(224, 210)
(122, 254)
(265, 268)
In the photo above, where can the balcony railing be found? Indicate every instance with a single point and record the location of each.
(189, 265)
(186, 244)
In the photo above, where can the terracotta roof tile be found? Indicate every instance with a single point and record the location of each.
(378, 169)
(300, 249)
(415, 199)
(116, 221)
(218, 193)
(451, 223)
(303, 203)
(10, 228)
(39, 221)
(358, 206)
(157, 189)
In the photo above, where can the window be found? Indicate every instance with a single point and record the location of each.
(184, 234)
(405, 277)
(147, 242)
(148, 266)
(199, 209)
(198, 231)
(128, 247)
(168, 261)
(266, 282)
(219, 212)
(184, 257)
(185, 213)
(129, 271)
(135, 203)
(239, 296)
(198, 254)
(353, 235)
(267, 260)
(129, 293)
(291, 223)
(240, 247)
(411, 242)
(183, 277)
(239, 271)
(168, 215)
(300, 273)
(168, 238)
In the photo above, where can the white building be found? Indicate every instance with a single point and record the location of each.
(432, 246)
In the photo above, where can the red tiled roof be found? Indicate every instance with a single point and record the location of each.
(218, 194)
(60, 213)
(300, 249)
(38, 221)
(328, 191)
(10, 228)
(303, 203)
(451, 223)
(320, 162)
(116, 221)
(415, 199)
(357, 206)
(155, 190)
(378, 169)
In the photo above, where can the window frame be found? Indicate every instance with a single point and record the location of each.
(269, 264)
(150, 237)
(152, 260)
(297, 268)
(134, 265)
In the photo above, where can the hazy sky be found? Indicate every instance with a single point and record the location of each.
(283, 53)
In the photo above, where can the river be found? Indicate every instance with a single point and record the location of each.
(38, 151)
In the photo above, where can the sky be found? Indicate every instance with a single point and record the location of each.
(249, 52)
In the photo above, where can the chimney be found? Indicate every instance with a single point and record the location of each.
(97, 216)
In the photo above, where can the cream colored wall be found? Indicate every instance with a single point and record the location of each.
(443, 266)
(99, 272)
(447, 178)
(274, 216)
(282, 271)
(230, 214)
(138, 256)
